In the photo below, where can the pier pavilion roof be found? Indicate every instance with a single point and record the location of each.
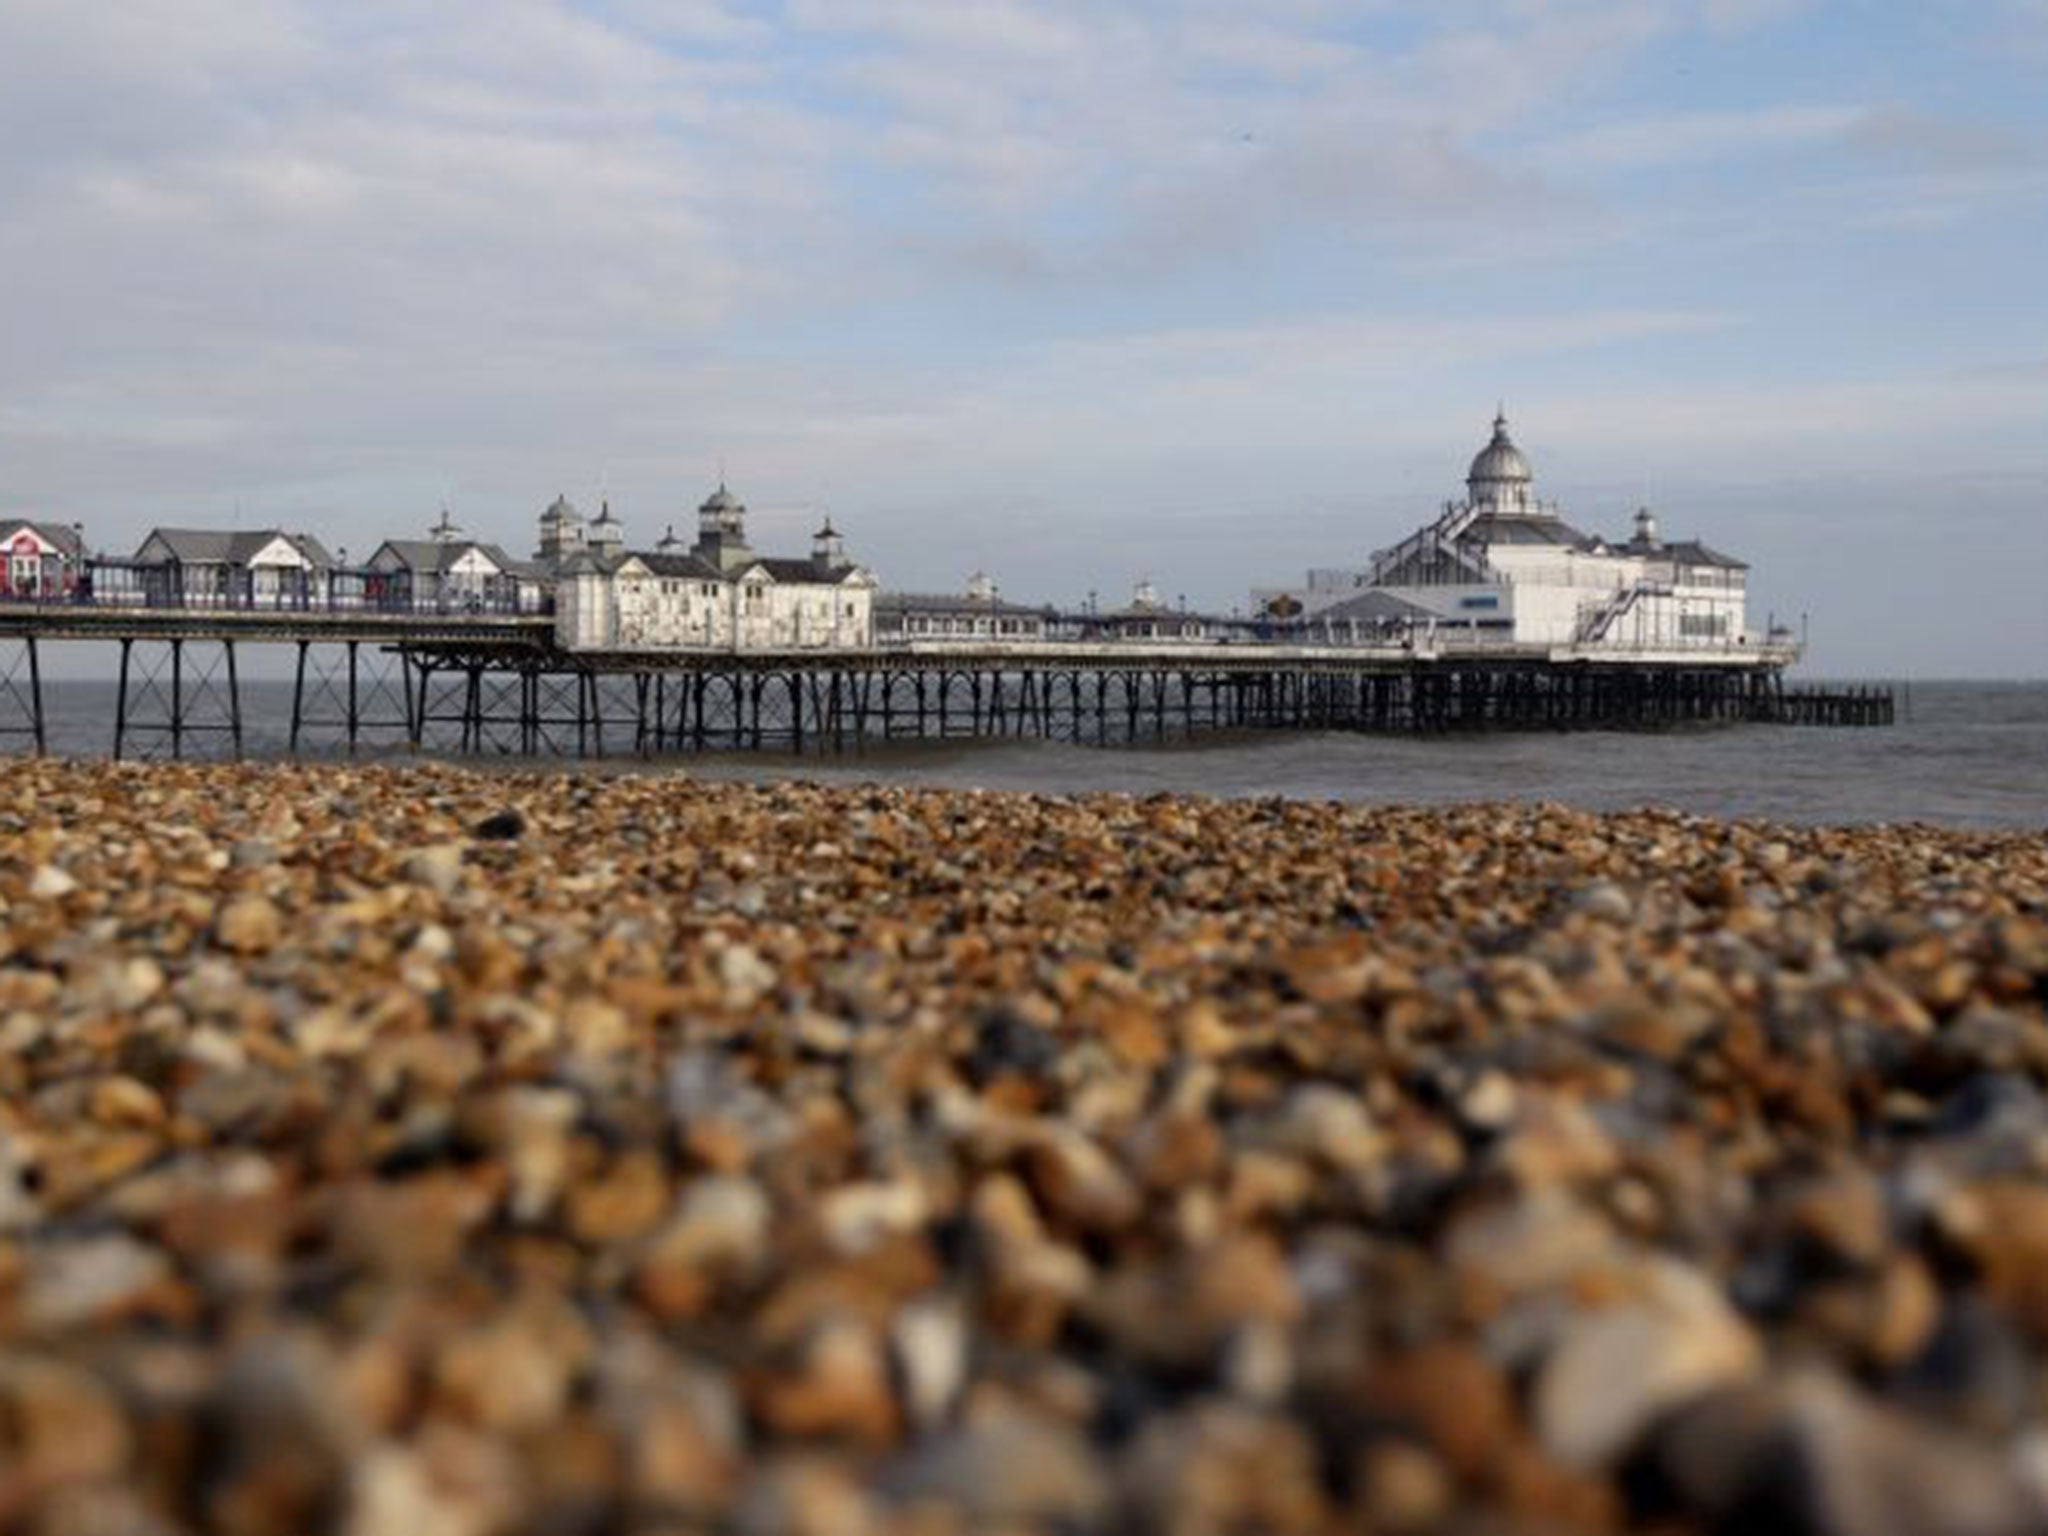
(1526, 528)
(439, 555)
(804, 571)
(1683, 552)
(669, 564)
(1372, 607)
(59, 536)
(225, 546)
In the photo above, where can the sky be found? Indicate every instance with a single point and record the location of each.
(1076, 292)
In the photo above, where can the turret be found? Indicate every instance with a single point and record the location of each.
(722, 530)
(561, 532)
(606, 533)
(828, 548)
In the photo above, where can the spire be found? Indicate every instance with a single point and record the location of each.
(445, 530)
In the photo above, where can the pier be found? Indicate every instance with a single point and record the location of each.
(496, 684)
(1497, 615)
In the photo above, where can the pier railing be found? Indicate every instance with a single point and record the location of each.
(124, 587)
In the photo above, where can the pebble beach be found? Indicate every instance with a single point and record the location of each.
(413, 1151)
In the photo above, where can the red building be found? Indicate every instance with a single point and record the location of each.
(39, 560)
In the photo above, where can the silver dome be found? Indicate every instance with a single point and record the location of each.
(1500, 462)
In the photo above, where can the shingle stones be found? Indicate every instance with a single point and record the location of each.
(398, 1149)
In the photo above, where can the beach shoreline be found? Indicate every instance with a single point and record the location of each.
(412, 1147)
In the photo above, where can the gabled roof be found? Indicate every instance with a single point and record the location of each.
(693, 567)
(803, 572)
(225, 546)
(1687, 552)
(591, 562)
(433, 555)
(1370, 607)
(667, 563)
(63, 538)
(786, 570)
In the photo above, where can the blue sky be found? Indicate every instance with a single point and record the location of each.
(1073, 292)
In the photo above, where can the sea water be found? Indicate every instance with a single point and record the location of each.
(1962, 754)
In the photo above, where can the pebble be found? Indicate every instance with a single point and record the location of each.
(438, 868)
(398, 1147)
(1808, 1452)
(930, 1340)
(501, 826)
(1616, 1370)
(1489, 1104)
(248, 925)
(1008, 1471)
(87, 1279)
(1605, 900)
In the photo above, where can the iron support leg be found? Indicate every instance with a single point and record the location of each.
(35, 696)
(177, 699)
(121, 703)
(235, 699)
(299, 696)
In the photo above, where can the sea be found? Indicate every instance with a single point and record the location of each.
(1963, 754)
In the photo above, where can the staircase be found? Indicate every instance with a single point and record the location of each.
(1439, 540)
(1595, 623)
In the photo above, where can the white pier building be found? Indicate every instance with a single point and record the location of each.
(1502, 565)
(714, 595)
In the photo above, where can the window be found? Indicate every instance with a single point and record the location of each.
(1703, 626)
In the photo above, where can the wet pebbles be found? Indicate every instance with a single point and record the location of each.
(415, 1150)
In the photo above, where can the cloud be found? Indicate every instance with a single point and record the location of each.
(1737, 16)
(1138, 275)
(1656, 143)
(1926, 141)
